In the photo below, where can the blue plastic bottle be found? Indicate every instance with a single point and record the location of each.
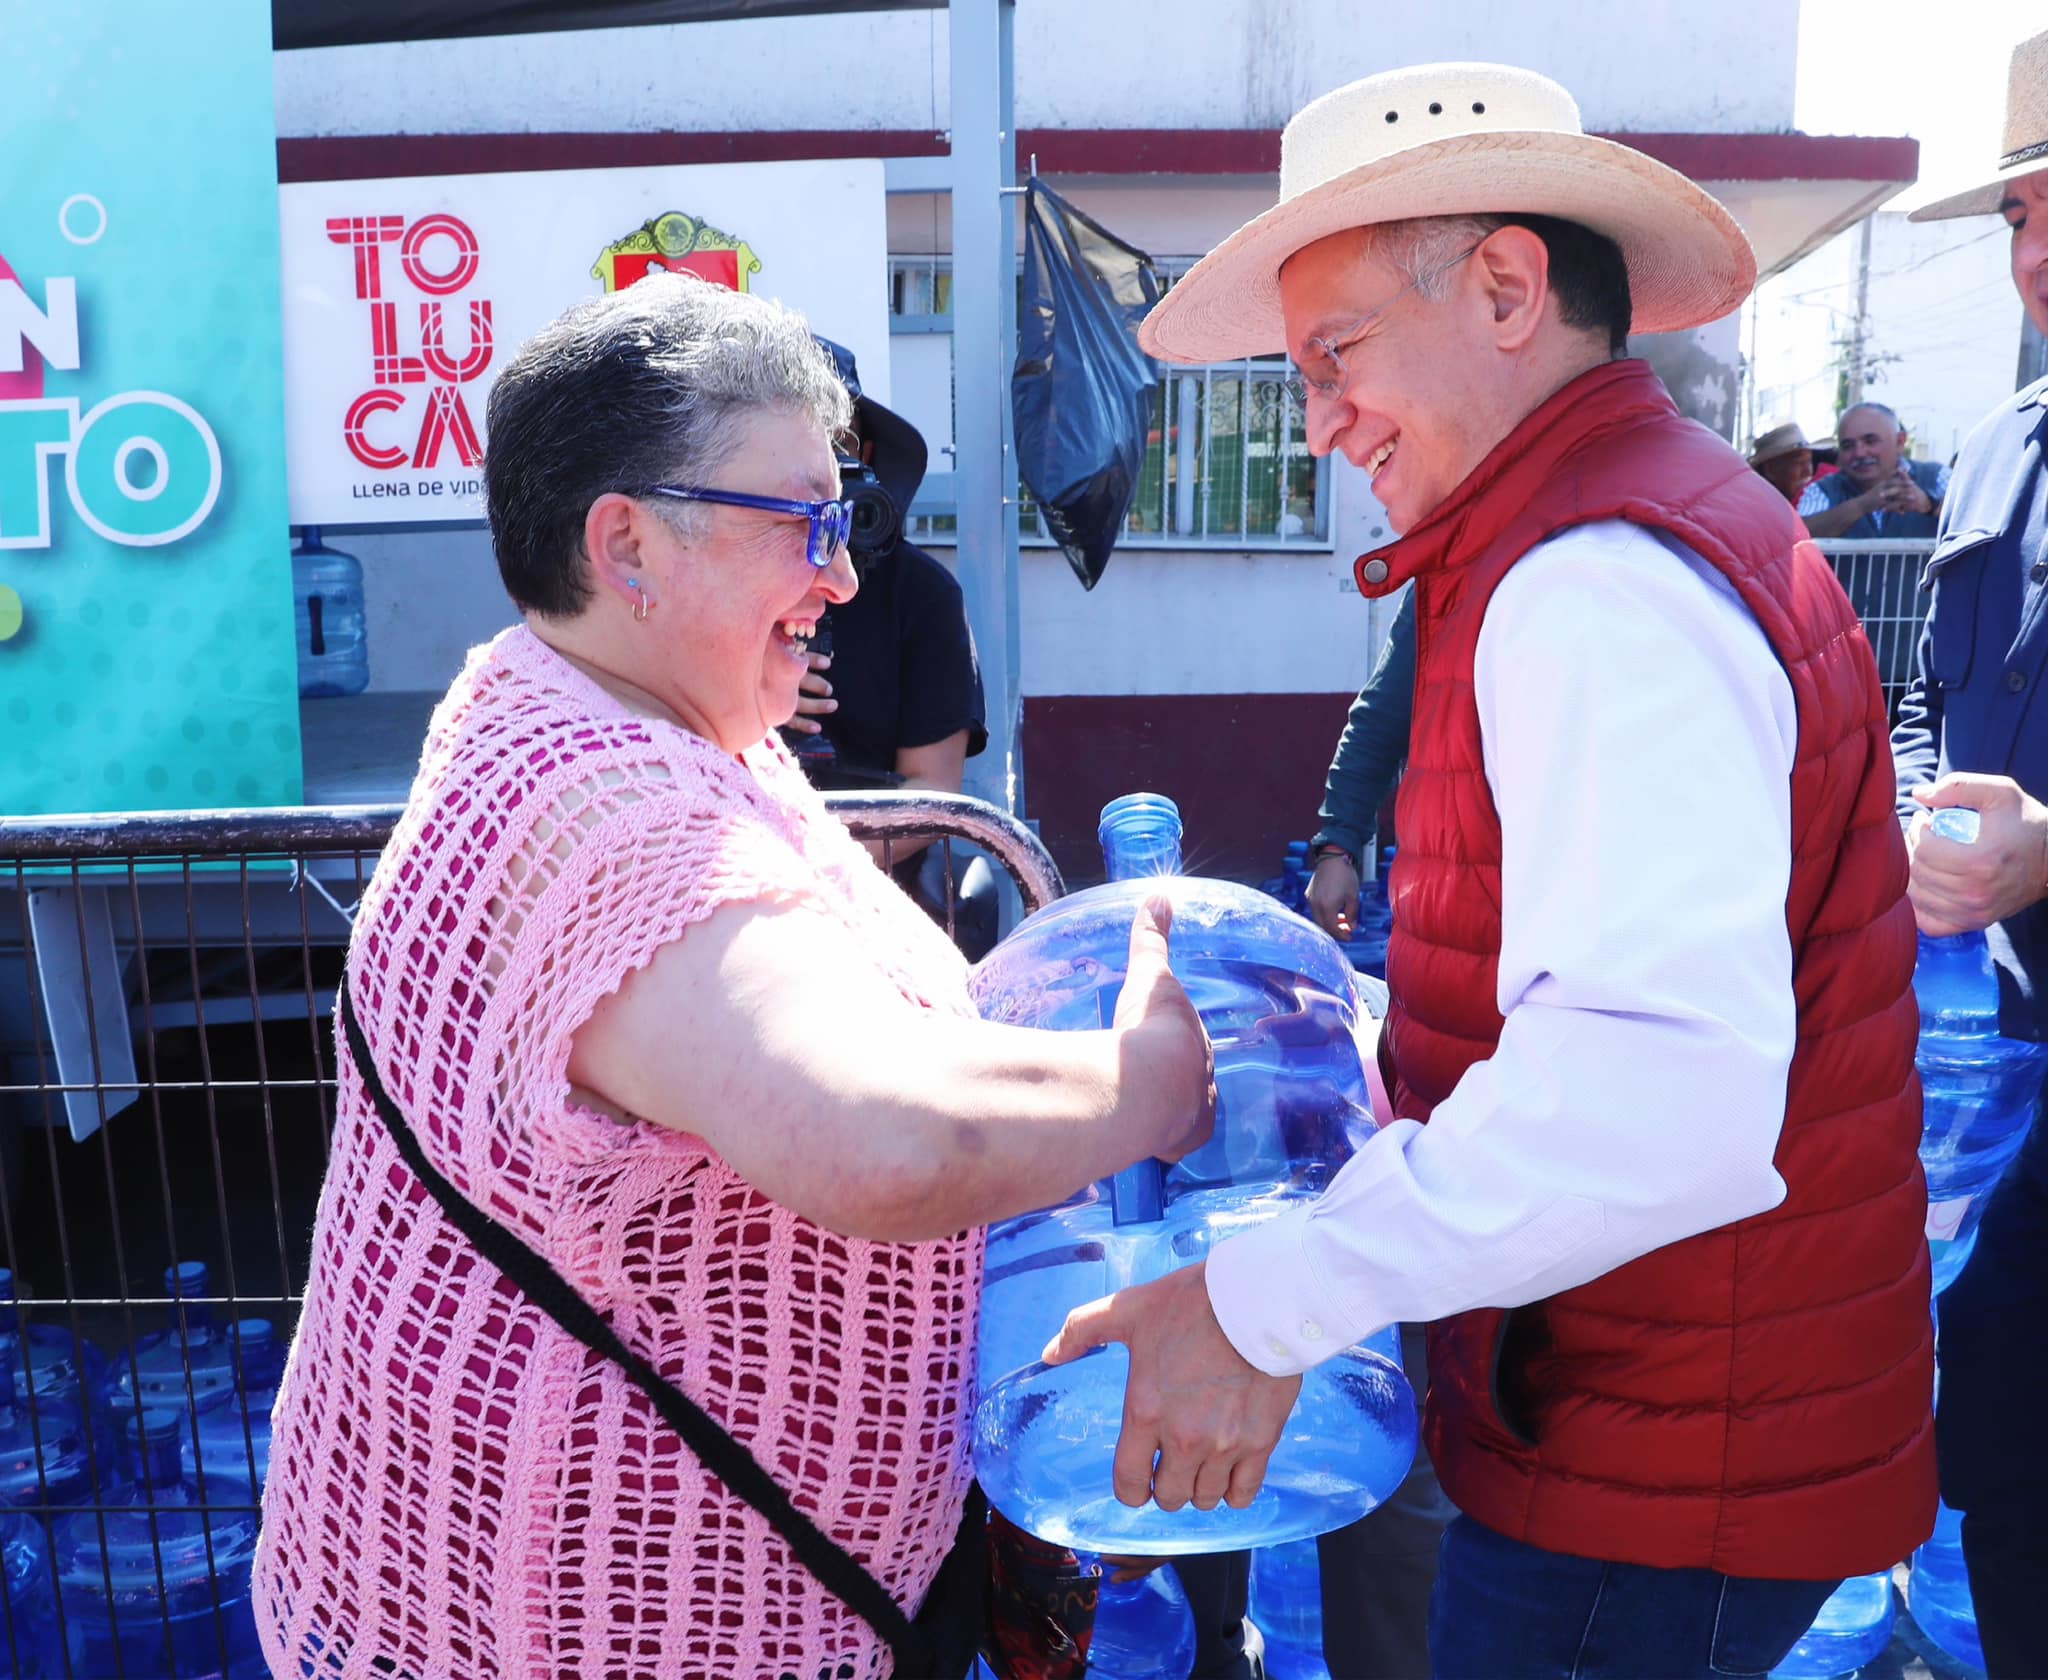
(1853, 1627)
(167, 1595)
(189, 1362)
(1979, 1092)
(45, 1459)
(1280, 1005)
(327, 595)
(49, 1361)
(29, 1645)
(233, 1437)
(1938, 1591)
(1143, 1630)
(1287, 1609)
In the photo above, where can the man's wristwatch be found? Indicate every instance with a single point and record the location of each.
(1330, 848)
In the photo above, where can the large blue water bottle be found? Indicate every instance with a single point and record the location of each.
(184, 1366)
(45, 1457)
(1280, 1005)
(1287, 1609)
(1144, 1630)
(233, 1434)
(49, 1362)
(1938, 1591)
(327, 597)
(1980, 1091)
(167, 1594)
(1853, 1627)
(29, 1643)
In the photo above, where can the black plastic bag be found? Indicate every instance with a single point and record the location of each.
(1082, 391)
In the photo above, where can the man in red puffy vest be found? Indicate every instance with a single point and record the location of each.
(1653, 1180)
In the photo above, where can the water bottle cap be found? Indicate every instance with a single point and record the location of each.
(1958, 823)
(154, 1426)
(185, 1280)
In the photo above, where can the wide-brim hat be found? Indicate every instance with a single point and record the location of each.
(1779, 440)
(1454, 140)
(2025, 149)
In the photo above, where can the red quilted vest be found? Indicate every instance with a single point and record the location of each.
(1755, 1399)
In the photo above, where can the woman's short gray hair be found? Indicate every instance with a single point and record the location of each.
(636, 388)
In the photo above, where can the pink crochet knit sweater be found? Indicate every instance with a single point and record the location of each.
(458, 1490)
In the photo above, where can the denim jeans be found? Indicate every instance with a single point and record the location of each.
(1506, 1611)
(1993, 1352)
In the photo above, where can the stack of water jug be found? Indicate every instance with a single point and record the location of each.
(1367, 949)
(1980, 1091)
(1282, 1007)
(129, 1489)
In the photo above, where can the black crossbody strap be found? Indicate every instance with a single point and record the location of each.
(836, 1569)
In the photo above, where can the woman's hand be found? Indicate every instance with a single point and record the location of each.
(813, 696)
(1166, 1052)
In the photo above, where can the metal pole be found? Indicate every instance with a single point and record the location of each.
(984, 158)
(1859, 349)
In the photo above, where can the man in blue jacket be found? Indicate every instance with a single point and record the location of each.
(1969, 735)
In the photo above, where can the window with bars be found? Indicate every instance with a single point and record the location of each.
(1226, 456)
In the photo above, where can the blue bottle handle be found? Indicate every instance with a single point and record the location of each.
(1137, 1195)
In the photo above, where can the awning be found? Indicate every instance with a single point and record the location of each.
(355, 23)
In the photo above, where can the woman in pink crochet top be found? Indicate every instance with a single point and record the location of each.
(645, 1004)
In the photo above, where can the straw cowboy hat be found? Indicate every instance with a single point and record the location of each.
(1448, 140)
(1779, 440)
(2026, 137)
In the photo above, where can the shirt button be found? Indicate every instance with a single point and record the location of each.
(1311, 1331)
(1375, 571)
(2040, 572)
(1276, 1347)
(2015, 680)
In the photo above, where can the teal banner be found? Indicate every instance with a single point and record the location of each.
(147, 652)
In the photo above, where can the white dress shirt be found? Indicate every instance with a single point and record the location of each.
(1639, 736)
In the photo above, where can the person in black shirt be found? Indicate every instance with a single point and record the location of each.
(897, 698)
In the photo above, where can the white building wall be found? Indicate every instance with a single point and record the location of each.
(1659, 65)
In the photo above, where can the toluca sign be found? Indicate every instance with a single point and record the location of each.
(403, 299)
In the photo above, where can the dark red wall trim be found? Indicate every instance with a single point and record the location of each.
(1094, 151)
(1246, 770)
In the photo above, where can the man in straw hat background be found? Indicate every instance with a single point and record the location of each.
(1971, 734)
(1652, 956)
(1785, 458)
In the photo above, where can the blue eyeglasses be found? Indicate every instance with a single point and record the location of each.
(831, 522)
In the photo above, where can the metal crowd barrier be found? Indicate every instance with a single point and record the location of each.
(1882, 580)
(166, 1092)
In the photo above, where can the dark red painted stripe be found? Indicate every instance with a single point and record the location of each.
(1097, 151)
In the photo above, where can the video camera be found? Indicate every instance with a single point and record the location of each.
(877, 520)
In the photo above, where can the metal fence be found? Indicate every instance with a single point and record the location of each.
(1882, 580)
(166, 1089)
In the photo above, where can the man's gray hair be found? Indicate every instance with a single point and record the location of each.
(650, 385)
(1885, 409)
(1423, 248)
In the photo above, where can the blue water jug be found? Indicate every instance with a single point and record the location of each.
(233, 1434)
(29, 1643)
(1144, 1630)
(49, 1361)
(1853, 1627)
(1938, 1591)
(1980, 1092)
(327, 596)
(184, 1365)
(1280, 1005)
(167, 1594)
(1287, 1609)
(45, 1456)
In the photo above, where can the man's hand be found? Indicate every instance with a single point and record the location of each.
(1167, 1052)
(1333, 895)
(1210, 1420)
(814, 696)
(1901, 493)
(1957, 888)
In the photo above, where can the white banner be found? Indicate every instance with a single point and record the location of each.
(403, 298)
